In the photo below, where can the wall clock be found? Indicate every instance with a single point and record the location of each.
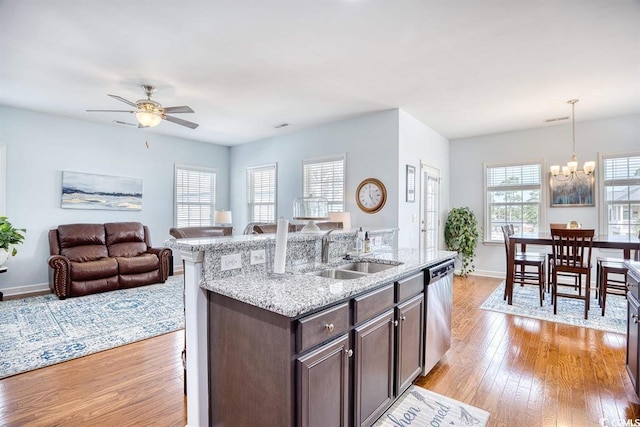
(371, 195)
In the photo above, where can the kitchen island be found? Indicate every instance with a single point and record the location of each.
(298, 348)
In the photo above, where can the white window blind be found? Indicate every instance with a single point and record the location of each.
(261, 193)
(195, 196)
(622, 194)
(513, 196)
(325, 178)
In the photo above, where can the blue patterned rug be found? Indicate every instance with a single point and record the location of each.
(43, 330)
(570, 311)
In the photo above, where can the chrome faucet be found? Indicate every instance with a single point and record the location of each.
(325, 246)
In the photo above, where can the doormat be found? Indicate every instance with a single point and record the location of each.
(421, 407)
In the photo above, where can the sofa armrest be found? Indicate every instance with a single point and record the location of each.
(59, 275)
(164, 255)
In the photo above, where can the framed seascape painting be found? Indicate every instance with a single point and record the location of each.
(91, 191)
(578, 191)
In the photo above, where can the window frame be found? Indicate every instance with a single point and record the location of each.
(487, 238)
(334, 206)
(603, 185)
(214, 189)
(249, 194)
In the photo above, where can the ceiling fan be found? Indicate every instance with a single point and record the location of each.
(150, 113)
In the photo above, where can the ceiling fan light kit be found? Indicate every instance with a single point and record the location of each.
(150, 113)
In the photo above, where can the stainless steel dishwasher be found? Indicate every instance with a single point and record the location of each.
(439, 284)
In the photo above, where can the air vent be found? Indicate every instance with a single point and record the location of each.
(557, 119)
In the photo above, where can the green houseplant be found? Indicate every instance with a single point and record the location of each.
(9, 237)
(461, 234)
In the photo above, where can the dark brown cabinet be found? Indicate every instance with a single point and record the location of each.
(410, 346)
(323, 385)
(343, 365)
(374, 357)
(633, 327)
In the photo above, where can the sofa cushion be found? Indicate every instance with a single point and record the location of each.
(82, 242)
(139, 264)
(125, 239)
(90, 270)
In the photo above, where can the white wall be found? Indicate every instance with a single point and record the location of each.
(370, 143)
(552, 145)
(41, 146)
(419, 143)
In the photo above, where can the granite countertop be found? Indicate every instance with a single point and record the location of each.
(634, 268)
(296, 293)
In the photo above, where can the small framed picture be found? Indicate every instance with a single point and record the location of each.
(411, 184)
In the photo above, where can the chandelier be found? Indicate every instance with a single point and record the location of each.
(570, 171)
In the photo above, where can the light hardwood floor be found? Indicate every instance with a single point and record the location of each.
(525, 372)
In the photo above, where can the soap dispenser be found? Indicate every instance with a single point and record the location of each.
(360, 240)
(367, 243)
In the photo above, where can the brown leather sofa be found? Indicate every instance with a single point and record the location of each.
(91, 258)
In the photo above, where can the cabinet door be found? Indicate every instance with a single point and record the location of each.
(323, 385)
(632, 340)
(374, 352)
(410, 346)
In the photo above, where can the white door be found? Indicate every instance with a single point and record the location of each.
(429, 207)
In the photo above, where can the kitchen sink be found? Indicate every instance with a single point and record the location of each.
(366, 267)
(335, 273)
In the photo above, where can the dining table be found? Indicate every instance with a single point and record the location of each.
(627, 244)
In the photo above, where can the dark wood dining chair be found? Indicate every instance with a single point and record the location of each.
(523, 262)
(575, 278)
(571, 250)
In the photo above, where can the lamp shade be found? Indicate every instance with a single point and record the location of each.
(343, 217)
(222, 217)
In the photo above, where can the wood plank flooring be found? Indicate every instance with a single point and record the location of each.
(525, 372)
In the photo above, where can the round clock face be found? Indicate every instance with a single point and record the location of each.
(371, 195)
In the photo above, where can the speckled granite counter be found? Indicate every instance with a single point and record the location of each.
(296, 293)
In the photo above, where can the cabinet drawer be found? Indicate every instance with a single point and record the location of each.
(373, 303)
(322, 326)
(410, 286)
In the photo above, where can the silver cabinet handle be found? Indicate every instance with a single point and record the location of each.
(395, 323)
(329, 327)
(349, 352)
(403, 318)
(635, 318)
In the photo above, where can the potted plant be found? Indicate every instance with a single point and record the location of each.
(9, 237)
(461, 234)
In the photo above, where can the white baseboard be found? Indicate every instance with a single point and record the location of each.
(26, 289)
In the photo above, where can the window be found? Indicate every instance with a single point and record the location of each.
(621, 194)
(195, 191)
(513, 196)
(325, 178)
(261, 193)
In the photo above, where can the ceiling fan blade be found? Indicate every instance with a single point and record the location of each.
(181, 109)
(111, 111)
(180, 121)
(123, 123)
(119, 98)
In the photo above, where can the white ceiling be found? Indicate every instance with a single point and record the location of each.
(463, 68)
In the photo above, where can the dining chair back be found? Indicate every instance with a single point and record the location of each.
(571, 249)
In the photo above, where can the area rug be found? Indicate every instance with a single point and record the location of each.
(570, 311)
(43, 330)
(421, 407)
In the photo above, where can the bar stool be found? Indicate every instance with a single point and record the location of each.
(608, 280)
(522, 260)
